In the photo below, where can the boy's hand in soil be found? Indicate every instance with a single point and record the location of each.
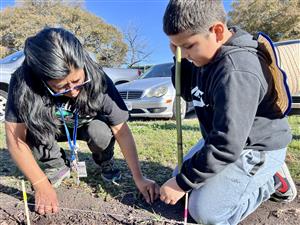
(46, 201)
(148, 188)
(170, 192)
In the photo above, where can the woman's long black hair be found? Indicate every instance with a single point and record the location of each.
(51, 54)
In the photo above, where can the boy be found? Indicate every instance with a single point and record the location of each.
(241, 107)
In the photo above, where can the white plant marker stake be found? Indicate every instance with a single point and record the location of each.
(25, 203)
(178, 122)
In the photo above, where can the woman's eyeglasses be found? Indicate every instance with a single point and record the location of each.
(57, 94)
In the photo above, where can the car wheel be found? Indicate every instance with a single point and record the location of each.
(183, 107)
(3, 100)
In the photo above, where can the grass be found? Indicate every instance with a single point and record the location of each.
(157, 149)
(293, 154)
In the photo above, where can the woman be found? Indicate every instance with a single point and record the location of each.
(59, 92)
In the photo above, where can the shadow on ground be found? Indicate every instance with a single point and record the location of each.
(111, 204)
(125, 192)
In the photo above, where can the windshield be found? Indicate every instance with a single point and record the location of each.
(12, 58)
(162, 70)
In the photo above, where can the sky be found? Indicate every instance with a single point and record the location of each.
(146, 15)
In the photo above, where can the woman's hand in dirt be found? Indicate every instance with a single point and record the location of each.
(170, 192)
(148, 188)
(46, 201)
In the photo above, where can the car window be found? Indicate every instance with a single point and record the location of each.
(12, 58)
(162, 70)
(288, 53)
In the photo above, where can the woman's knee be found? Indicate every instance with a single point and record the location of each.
(100, 134)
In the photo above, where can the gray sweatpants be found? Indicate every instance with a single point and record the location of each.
(97, 134)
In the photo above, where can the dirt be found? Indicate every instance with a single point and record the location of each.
(79, 206)
(82, 208)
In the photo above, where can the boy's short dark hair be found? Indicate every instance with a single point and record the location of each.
(195, 16)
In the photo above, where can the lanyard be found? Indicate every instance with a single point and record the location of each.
(71, 145)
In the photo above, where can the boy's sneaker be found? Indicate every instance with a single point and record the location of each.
(285, 188)
(109, 172)
(57, 175)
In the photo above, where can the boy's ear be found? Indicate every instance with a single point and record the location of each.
(219, 30)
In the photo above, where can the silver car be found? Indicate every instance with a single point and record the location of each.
(10, 63)
(153, 94)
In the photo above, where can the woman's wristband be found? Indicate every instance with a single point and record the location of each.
(40, 180)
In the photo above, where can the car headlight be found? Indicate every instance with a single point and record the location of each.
(157, 92)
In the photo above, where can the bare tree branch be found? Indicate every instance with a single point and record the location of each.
(137, 46)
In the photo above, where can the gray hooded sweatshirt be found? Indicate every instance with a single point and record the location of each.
(234, 99)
